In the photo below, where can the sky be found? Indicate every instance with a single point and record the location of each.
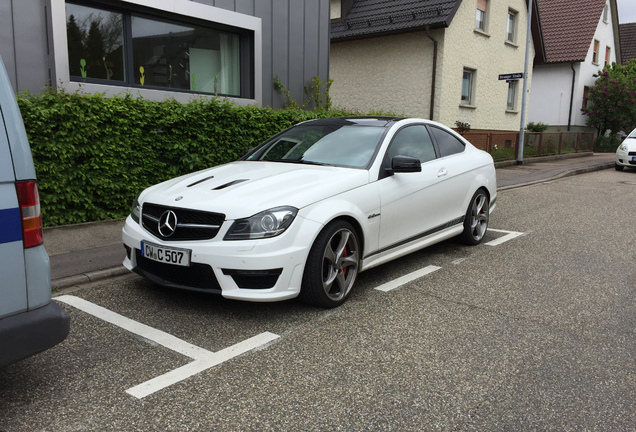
(626, 11)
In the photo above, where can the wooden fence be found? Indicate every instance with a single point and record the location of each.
(505, 145)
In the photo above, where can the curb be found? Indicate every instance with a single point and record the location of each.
(85, 278)
(539, 159)
(600, 167)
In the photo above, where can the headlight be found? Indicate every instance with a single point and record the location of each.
(269, 223)
(623, 147)
(135, 211)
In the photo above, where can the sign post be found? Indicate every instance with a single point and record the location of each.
(522, 128)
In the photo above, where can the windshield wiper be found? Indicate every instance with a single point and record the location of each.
(301, 161)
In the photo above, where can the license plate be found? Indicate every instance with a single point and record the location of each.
(633, 158)
(167, 255)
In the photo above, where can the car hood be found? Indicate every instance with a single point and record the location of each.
(242, 189)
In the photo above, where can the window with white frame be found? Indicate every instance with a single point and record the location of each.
(511, 27)
(481, 15)
(468, 86)
(608, 55)
(595, 54)
(586, 94)
(129, 48)
(512, 96)
(606, 14)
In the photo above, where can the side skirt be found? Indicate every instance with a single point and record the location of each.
(412, 244)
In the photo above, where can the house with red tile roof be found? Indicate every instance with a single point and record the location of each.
(436, 59)
(579, 38)
(628, 41)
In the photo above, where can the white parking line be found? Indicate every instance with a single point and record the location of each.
(510, 235)
(204, 359)
(213, 359)
(396, 283)
(152, 334)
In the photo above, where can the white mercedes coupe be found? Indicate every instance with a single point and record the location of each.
(303, 213)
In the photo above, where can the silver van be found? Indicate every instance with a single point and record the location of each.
(29, 321)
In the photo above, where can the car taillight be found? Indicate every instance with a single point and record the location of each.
(29, 201)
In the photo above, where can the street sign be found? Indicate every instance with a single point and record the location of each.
(512, 76)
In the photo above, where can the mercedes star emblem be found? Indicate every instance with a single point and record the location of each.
(167, 223)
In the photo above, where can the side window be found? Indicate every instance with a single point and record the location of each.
(413, 141)
(447, 143)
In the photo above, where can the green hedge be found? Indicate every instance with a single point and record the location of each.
(94, 154)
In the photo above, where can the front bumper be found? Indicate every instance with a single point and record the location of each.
(623, 158)
(252, 270)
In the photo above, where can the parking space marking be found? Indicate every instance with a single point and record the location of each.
(203, 359)
(149, 387)
(396, 283)
(509, 236)
(167, 340)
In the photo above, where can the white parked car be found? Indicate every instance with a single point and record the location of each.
(626, 152)
(306, 211)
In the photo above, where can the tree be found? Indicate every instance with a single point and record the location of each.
(76, 52)
(95, 52)
(611, 103)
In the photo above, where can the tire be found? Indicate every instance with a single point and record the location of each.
(476, 220)
(618, 167)
(332, 266)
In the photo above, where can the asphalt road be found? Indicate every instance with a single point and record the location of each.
(534, 333)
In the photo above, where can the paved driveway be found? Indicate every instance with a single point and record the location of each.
(532, 333)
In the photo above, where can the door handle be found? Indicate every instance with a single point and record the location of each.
(442, 172)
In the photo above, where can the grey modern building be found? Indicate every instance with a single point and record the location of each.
(167, 48)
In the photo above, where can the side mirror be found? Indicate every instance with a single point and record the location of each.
(405, 164)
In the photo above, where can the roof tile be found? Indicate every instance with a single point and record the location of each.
(369, 17)
(568, 27)
(627, 34)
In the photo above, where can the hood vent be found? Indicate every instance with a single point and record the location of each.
(200, 181)
(232, 183)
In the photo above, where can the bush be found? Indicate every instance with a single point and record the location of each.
(536, 127)
(607, 144)
(462, 127)
(94, 154)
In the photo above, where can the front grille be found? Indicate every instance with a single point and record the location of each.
(632, 153)
(191, 224)
(196, 276)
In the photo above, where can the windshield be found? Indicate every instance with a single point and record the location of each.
(348, 146)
